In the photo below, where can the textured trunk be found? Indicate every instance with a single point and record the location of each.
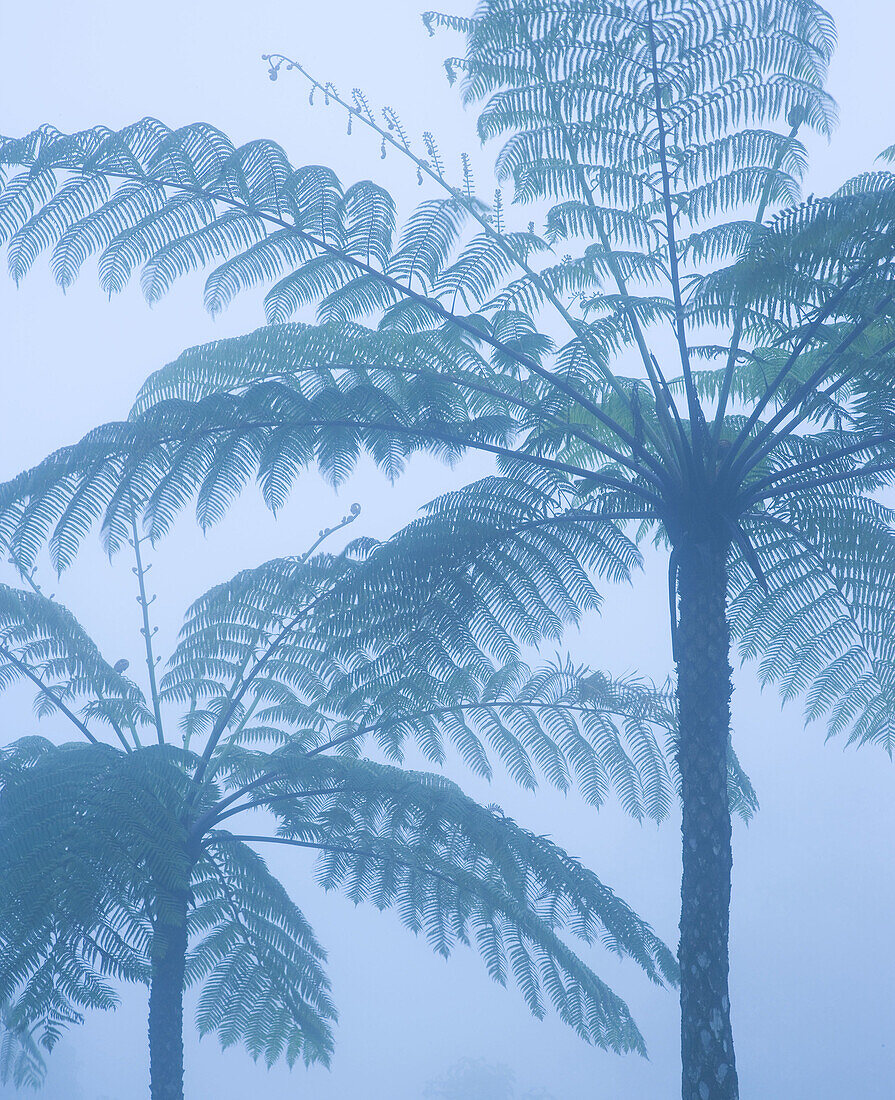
(166, 998)
(704, 689)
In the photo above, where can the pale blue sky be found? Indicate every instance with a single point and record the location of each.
(812, 971)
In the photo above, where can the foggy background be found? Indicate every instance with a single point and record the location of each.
(812, 971)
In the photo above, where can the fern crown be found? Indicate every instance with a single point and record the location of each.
(656, 146)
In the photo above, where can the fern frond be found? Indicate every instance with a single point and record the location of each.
(40, 637)
(455, 871)
(263, 983)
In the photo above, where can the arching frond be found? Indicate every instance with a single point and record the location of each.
(457, 873)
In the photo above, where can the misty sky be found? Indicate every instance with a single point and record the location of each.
(812, 971)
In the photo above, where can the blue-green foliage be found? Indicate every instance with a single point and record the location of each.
(283, 682)
(657, 146)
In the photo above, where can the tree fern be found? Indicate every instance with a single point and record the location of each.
(656, 146)
(122, 864)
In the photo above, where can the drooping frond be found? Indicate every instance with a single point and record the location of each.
(79, 843)
(91, 837)
(823, 629)
(459, 873)
(21, 1060)
(261, 968)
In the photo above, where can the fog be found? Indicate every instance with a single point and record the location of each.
(814, 891)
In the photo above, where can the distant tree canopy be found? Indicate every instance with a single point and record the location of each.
(477, 1079)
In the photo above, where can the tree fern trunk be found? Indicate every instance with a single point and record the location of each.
(169, 942)
(704, 688)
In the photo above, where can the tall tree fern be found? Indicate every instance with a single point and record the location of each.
(281, 718)
(651, 331)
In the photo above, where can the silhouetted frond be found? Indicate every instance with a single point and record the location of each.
(459, 873)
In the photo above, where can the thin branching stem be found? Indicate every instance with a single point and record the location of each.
(146, 630)
(578, 328)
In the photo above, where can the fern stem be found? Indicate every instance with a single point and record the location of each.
(766, 439)
(119, 733)
(819, 482)
(704, 688)
(770, 390)
(315, 792)
(215, 814)
(821, 460)
(337, 849)
(146, 631)
(168, 978)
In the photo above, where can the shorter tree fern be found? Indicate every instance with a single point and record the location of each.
(122, 860)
